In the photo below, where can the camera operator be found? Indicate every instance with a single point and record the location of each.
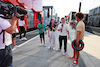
(7, 27)
(6, 40)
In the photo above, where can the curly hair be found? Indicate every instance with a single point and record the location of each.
(79, 15)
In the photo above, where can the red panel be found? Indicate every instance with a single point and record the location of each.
(27, 2)
(33, 4)
(12, 1)
(26, 21)
(36, 20)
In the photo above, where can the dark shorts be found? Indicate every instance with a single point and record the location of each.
(22, 29)
(42, 35)
(6, 56)
(13, 35)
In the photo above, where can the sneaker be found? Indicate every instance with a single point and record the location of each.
(15, 46)
(49, 47)
(75, 63)
(24, 38)
(72, 58)
(54, 48)
(40, 45)
(20, 39)
(45, 45)
(58, 49)
(64, 53)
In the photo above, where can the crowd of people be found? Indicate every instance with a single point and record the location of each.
(63, 29)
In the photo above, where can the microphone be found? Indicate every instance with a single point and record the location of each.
(52, 25)
(21, 10)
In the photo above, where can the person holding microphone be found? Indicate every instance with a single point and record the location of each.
(63, 28)
(42, 28)
(51, 34)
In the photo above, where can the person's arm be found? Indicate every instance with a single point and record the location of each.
(59, 29)
(48, 31)
(68, 34)
(39, 27)
(78, 37)
(74, 27)
(13, 22)
(54, 28)
(45, 28)
(16, 30)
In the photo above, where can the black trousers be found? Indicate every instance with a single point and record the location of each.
(65, 42)
(22, 30)
(6, 56)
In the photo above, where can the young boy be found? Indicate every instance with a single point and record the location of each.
(79, 34)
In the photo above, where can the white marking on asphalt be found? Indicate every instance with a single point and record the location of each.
(25, 42)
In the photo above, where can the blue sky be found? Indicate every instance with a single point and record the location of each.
(63, 7)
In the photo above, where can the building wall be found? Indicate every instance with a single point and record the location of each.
(35, 4)
(94, 16)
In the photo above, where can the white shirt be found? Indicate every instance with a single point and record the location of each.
(21, 22)
(4, 24)
(64, 29)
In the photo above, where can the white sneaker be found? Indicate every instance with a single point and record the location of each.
(20, 39)
(40, 45)
(58, 49)
(15, 46)
(54, 48)
(49, 47)
(45, 45)
(24, 38)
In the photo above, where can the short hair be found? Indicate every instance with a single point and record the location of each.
(79, 15)
(62, 18)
